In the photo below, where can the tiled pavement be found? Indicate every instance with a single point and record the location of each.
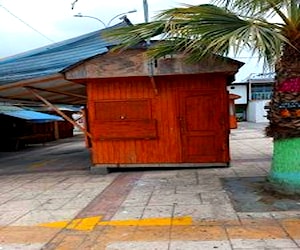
(144, 210)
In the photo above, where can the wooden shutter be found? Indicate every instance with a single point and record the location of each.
(125, 119)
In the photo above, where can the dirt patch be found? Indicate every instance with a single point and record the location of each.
(248, 194)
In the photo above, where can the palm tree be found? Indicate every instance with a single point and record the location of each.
(268, 28)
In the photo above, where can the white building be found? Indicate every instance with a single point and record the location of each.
(255, 93)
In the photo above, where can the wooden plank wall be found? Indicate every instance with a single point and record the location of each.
(164, 109)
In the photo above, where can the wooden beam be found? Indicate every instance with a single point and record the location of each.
(59, 112)
(57, 92)
(23, 83)
(9, 99)
(154, 85)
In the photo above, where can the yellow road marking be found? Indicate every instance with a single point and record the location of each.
(87, 224)
(84, 224)
(180, 221)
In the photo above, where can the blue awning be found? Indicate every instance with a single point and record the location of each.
(32, 116)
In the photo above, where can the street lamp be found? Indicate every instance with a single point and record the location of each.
(106, 25)
(80, 15)
(121, 14)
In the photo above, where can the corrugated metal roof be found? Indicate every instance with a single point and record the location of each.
(54, 58)
(28, 115)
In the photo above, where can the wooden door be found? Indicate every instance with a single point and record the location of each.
(204, 130)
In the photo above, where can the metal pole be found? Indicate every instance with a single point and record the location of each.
(146, 11)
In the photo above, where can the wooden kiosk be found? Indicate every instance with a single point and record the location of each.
(158, 113)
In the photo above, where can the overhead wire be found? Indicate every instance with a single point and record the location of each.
(28, 25)
(73, 5)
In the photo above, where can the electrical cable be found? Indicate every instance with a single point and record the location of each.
(28, 25)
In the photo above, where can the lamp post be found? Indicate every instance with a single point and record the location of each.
(146, 11)
(121, 14)
(106, 25)
(80, 15)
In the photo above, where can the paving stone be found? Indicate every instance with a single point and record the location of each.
(21, 235)
(27, 195)
(129, 212)
(138, 246)
(211, 187)
(267, 248)
(53, 204)
(137, 198)
(246, 215)
(6, 197)
(200, 245)
(36, 217)
(70, 242)
(158, 212)
(29, 246)
(260, 231)
(20, 205)
(292, 226)
(285, 214)
(167, 191)
(217, 198)
(263, 244)
(10, 217)
(206, 211)
(153, 233)
(77, 203)
(198, 233)
(187, 198)
(56, 194)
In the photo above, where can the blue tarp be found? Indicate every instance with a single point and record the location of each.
(32, 116)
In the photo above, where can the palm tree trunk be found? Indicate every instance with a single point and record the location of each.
(284, 176)
(284, 127)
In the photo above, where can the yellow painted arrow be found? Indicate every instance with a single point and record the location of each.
(180, 221)
(86, 224)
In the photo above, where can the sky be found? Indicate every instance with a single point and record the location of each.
(30, 24)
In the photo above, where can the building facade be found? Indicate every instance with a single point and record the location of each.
(255, 92)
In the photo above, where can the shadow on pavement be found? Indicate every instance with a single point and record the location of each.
(60, 155)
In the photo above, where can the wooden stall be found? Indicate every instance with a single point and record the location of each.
(20, 127)
(163, 112)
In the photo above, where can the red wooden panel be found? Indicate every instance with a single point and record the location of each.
(142, 129)
(201, 148)
(122, 110)
(203, 127)
(108, 111)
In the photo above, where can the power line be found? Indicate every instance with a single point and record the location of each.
(28, 25)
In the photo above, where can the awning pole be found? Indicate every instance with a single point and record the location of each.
(60, 112)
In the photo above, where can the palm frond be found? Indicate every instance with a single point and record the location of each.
(251, 7)
(287, 10)
(208, 29)
(133, 35)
